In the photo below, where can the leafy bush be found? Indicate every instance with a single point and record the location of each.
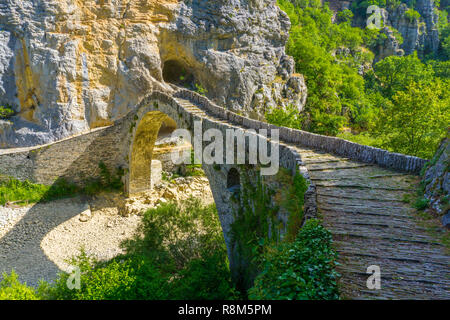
(412, 15)
(300, 270)
(12, 289)
(6, 112)
(288, 117)
(122, 278)
(421, 203)
(417, 119)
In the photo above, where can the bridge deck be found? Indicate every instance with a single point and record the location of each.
(362, 205)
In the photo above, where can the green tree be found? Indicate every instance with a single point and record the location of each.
(394, 73)
(416, 119)
(329, 57)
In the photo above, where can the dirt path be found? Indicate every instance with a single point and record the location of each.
(37, 240)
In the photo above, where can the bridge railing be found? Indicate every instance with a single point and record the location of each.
(338, 146)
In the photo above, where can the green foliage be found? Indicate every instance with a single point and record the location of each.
(335, 88)
(421, 203)
(122, 278)
(6, 112)
(199, 89)
(185, 243)
(162, 234)
(25, 192)
(13, 190)
(441, 68)
(12, 289)
(412, 15)
(444, 35)
(300, 270)
(288, 117)
(293, 201)
(395, 74)
(417, 119)
(377, 105)
(345, 16)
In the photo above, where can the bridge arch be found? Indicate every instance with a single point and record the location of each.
(159, 110)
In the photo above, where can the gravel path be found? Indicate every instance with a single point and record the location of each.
(36, 241)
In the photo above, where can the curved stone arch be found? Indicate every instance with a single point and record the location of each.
(146, 121)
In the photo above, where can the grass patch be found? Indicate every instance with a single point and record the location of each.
(361, 138)
(26, 192)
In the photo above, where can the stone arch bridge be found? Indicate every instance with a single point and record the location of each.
(356, 189)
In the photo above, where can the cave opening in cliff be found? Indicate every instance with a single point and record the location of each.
(178, 73)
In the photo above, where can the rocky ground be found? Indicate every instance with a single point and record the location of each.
(37, 240)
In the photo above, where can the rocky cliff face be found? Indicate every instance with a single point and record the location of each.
(437, 180)
(419, 35)
(67, 66)
(388, 46)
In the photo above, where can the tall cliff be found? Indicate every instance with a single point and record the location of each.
(418, 35)
(421, 35)
(67, 66)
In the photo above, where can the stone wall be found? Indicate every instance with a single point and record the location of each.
(76, 159)
(333, 145)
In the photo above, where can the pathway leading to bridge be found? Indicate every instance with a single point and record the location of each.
(362, 206)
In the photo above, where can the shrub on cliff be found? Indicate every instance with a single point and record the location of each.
(302, 270)
(6, 112)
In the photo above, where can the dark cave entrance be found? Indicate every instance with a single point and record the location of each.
(177, 73)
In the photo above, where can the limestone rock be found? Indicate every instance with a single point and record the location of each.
(437, 179)
(388, 47)
(69, 66)
(86, 215)
(421, 36)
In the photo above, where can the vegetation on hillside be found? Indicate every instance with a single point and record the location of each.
(6, 112)
(400, 103)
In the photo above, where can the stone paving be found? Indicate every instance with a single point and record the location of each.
(361, 204)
